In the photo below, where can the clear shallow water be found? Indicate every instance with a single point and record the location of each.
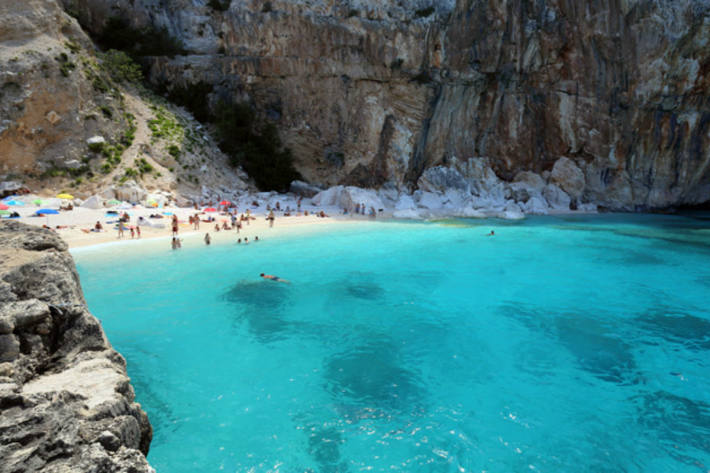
(559, 345)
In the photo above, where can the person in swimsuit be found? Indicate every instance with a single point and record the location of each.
(492, 233)
(273, 278)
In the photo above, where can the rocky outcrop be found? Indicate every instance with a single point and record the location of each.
(66, 403)
(371, 93)
(70, 117)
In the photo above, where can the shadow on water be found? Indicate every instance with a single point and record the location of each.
(672, 326)
(677, 420)
(360, 286)
(324, 447)
(635, 258)
(605, 356)
(372, 375)
(261, 306)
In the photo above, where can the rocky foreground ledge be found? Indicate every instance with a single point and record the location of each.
(66, 403)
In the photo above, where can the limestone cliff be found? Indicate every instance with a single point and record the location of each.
(71, 120)
(66, 403)
(369, 93)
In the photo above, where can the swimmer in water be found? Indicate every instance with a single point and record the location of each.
(273, 278)
(492, 233)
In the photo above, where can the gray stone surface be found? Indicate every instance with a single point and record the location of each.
(66, 403)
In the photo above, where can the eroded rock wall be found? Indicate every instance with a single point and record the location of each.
(66, 403)
(49, 104)
(369, 93)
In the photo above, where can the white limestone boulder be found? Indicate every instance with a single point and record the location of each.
(536, 205)
(556, 198)
(569, 177)
(351, 196)
(530, 181)
(328, 197)
(131, 192)
(512, 211)
(405, 202)
(429, 200)
(93, 202)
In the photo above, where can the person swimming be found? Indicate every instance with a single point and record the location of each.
(492, 233)
(271, 277)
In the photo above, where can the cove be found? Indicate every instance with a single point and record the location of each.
(560, 344)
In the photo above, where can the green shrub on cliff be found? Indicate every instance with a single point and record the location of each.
(121, 67)
(255, 146)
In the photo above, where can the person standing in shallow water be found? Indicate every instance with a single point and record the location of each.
(270, 218)
(208, 240)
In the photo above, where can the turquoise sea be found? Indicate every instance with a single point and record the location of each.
(561, 344)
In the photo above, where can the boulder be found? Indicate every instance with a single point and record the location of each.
(567, 175)
(429, 200)
(72, 164)
(131, 192)
(329, 196)
(405, 202)
(512, 211)
(304, 189)
(440, 179)
(351, 196)
(470, 212)
(480, 176)
(108, 193)
(93, 202)
(556, 197)
(11, 188)
(536, 205)
(530, 181)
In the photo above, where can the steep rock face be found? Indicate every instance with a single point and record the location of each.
(66, 403)
(48, 104)
(67, 119)
(372, 92)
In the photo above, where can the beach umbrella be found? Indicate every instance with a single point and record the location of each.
(225, 202)
(47, 212)
(65, 196)
(14, 202)
(4, 212)
(210, 209)
(114, 202)
(38, 202)
(3, 207)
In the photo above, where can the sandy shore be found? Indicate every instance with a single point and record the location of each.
(73, 225)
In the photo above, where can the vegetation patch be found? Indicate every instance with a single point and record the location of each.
(129, 135)
(165, 125)
(120, 67)
(65, 65)
(193, 97)
(255, 146)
